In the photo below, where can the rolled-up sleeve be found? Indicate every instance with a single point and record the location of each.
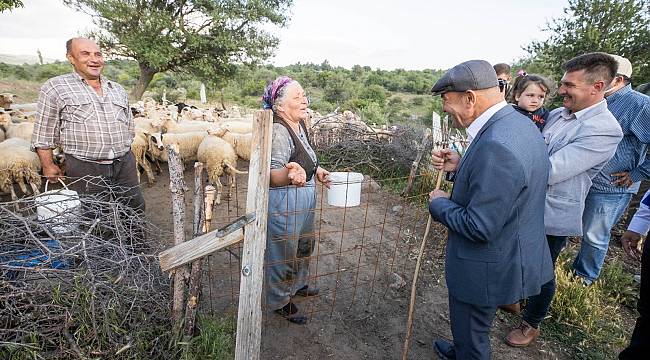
(47, 118)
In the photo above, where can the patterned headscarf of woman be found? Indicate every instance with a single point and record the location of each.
(272, 91)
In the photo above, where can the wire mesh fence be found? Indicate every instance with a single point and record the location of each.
(359, 253)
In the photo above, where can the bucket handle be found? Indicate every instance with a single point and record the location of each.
(59, 179)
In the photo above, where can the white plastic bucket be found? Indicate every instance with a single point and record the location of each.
(59, 208)
(345, 189)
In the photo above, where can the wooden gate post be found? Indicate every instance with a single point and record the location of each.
(249, 316)
(177, 188)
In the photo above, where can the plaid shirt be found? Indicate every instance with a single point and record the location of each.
(89, 127)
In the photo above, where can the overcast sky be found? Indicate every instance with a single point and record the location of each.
(409, 34)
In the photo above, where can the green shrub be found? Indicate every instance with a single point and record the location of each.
(588, 318)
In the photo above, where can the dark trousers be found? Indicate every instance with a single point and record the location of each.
(537, 306)
(121, 176)
(639, 347)
(470, 327)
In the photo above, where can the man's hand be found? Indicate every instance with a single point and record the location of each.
(438, 194)
(623, 179)
(321, 175)
(52, 172)
(297, 175)
(630, 242)
(445, 159)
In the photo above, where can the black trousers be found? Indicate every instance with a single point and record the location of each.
(121, 174)
(639, 347)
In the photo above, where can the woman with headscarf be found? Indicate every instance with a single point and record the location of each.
(292, 199)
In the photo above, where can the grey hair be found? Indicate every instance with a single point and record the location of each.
(282, 94)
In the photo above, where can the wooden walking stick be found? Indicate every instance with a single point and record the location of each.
(440, 137)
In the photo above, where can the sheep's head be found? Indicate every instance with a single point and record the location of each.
(6, 99)
(155, 141)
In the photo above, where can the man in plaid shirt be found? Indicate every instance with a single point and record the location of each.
(88, 116)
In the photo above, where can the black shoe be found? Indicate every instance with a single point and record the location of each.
(444, 350)
(307, 291)
(290, 312)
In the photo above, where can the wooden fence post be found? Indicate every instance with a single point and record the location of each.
(177, 188)
(197, 265)
(249, 316)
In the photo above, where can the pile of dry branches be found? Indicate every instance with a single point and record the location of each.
(94, 291)
(353, 148)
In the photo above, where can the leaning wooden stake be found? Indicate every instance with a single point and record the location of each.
(177, 188)
(440, 133)
(409, 323)
(249, 316)
(197, 266)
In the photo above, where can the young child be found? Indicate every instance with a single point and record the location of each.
(528, 94)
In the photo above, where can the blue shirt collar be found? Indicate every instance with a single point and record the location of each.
(619, 93)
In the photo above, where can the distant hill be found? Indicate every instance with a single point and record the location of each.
(22, 59)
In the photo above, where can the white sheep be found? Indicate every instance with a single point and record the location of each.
(139, 147)
(188, 144)
(219, 158)
(146, 125)
(22, 130)
(184, 126)
(239, 127)
(242, 143)
(18, 165)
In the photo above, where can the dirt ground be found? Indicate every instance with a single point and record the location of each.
(363, 263)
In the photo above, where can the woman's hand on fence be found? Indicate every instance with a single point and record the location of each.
(296, 175)
(445, 159)
(321, 175)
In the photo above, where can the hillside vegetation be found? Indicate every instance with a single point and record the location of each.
(379, 96)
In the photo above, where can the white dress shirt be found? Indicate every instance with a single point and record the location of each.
(477, 125)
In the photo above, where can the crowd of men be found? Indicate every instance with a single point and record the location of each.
(518, 194)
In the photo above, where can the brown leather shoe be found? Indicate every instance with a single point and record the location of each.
(511, 308)
(522, 336)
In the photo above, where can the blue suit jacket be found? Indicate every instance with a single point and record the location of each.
(496, 250)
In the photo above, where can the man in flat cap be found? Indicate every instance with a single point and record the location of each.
(496, 249)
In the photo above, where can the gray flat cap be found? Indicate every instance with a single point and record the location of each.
(470, 75)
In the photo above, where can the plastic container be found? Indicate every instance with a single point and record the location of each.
(59, 208)
(345, 189)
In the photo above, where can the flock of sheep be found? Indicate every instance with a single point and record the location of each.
(200, 135)
(216, 138)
